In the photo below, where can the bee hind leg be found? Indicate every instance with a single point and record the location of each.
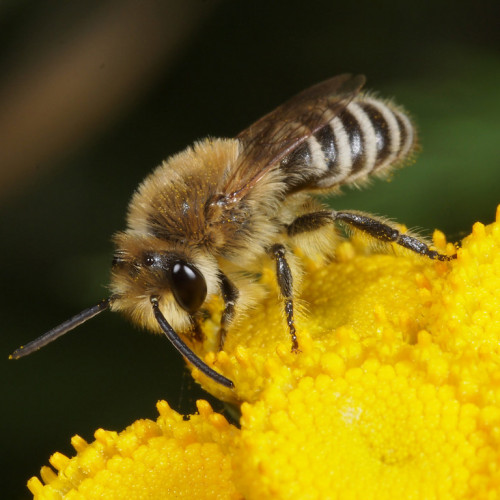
(285, 282)
(370, 225)
(383, 231)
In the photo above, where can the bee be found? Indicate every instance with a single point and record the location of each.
(204, 220)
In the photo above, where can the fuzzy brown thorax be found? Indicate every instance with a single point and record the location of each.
(183, 201)
(182, 211)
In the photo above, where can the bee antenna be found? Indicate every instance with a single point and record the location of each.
(184, 349)
(60, 330)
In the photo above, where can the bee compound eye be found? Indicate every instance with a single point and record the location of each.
(188, 286)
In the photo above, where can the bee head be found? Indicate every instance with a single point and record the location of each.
(159, 286)
(179, 276)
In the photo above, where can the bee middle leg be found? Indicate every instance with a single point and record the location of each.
(285, 282)
(372, 226)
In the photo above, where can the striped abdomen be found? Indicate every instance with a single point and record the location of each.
(367, 138)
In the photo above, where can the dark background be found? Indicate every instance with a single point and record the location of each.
(94, 94)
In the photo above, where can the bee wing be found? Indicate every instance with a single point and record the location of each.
(280, 132)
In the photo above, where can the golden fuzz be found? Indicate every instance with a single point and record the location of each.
(394, 395)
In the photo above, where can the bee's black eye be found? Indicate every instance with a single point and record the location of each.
(189, 286)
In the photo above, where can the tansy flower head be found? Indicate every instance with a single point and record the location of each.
(393, 395)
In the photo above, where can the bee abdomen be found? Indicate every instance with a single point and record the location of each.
(367, 138)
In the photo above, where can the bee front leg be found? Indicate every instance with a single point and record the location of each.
(230, 295)
(196, 330)
(285, 282)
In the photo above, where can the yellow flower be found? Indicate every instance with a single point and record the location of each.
(395, 394)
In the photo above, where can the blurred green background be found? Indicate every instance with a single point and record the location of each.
(94, 94)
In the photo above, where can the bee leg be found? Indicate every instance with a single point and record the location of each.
(375, 228)
(197, 330)
(230, 295)
(285, 282)
(384, 232)
(309, 222)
